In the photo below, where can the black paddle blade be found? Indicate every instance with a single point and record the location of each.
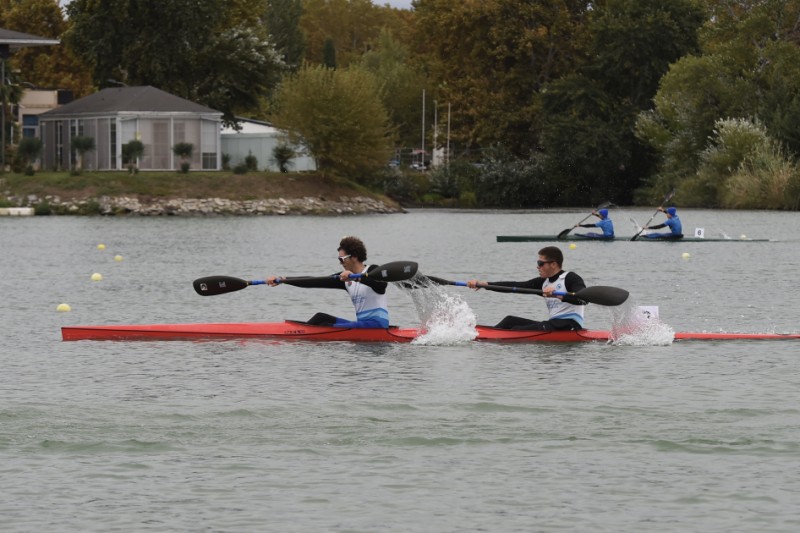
(563, 235)
(395, 271)
(601, 295)
(213, 285)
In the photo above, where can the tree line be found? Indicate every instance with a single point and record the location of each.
(552, 102)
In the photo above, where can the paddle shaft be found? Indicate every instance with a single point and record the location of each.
(213, 285)
(599, 294)
(666, 199)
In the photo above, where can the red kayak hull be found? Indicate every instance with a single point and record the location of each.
(290, 330)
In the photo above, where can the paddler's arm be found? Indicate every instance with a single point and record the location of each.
(307, 282)
(573, 283)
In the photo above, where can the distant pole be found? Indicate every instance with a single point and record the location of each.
(435, 130)
(447, 157)
(422, 155)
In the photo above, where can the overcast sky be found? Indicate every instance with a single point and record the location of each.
(403, 4)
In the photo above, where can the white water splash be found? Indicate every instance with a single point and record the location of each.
(444, 318)
(631, 327)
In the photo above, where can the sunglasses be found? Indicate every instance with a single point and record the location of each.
(342, 258)
(543, 263)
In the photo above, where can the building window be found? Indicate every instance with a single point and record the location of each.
(209, 160)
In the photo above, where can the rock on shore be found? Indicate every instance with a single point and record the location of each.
(135, 206)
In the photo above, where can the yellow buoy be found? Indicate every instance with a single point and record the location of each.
(97, 276)
(63, 308)
(117, 258)
(572, 246)
(685, 255)
(101, 246)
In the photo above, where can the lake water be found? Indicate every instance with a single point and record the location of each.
(295, 436)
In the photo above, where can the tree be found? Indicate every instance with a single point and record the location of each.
(339, 116)
(747, 69)
(184, 151)
(329, 54)
(587, 119)
(352, 26)
(81, 146)
(197, 49)
(29, 149)
(282, 155)
(131, 152)
(283, 21)
(401, 85)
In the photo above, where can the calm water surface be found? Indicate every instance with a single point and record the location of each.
(270, 436)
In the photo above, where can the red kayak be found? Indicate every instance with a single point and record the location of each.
(292, 330)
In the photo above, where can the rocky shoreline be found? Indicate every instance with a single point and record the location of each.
(139, 206)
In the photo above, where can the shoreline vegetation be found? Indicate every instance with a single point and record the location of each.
(193, 194)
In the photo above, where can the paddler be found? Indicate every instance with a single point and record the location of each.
(604, 224)
(672, 222)
(565, 312)
(368, 295)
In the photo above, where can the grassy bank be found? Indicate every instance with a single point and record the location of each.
(16, 188)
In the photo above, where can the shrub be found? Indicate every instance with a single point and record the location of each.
(184, 151)
(251, 162)
(82, 145)
(282, 155)
(241, 168)
(28, 151)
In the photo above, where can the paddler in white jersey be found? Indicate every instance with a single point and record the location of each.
(368, 295)
(565, 312)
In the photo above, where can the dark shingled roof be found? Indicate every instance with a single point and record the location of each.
(13, 40)
(129, 99)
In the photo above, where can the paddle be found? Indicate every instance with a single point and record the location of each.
(599, 294)
(213, 285)
(669, 195)
(563, 235)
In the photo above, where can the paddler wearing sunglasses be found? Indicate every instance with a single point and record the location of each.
(565, 312)
(368, 295)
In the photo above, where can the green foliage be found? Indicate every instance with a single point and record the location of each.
(505, 181)
(329, 54)
(339, 116)
(251, 162)
(202, 50)
(81, 145)
(282, 155)
(732, 142)
(283, 22)
(29, 149)
(43, 209)
(765, 180)
(401, 86)
(241, 168)
(183, 150)
(131, 152)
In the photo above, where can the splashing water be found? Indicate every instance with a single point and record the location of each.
(445, 319)
(631, 327)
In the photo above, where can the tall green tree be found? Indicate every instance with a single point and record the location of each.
(283, 22)
(490, 58)
(339, 116)
(208, 51)
(401, 84)
(747, 69)
(587, 119)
